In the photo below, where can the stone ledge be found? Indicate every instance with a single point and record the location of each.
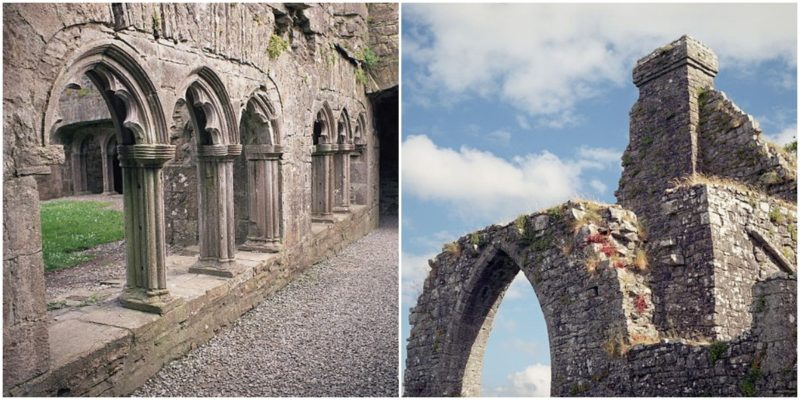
(108, 350)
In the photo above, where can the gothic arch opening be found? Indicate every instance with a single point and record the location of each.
(471, 330)
(341, 163)
(216, 146)
(128, 98)
(580, 259)
(257, 178)
(322, 178)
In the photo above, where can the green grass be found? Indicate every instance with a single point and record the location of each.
(71, 226)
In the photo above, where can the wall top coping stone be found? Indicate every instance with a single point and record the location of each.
(685, 50)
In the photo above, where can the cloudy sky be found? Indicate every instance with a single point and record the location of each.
(511, 108)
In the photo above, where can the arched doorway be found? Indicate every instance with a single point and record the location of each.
(257, 177)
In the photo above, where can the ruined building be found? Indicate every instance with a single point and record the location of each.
(257, 139)
(687, 287)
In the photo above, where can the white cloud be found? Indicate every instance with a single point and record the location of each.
(533, 381)
(544, 59)
(480, 186)
(785, 136)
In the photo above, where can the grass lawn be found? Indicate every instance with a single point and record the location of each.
(71, 226)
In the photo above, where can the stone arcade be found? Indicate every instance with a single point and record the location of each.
(687, 288)
(256, 139)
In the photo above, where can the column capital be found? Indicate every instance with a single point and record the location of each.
(219, 151)
(263, 151)
(145, 155)
(324, 148)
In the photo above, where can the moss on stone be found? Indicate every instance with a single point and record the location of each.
(716, 350)
(277, 45)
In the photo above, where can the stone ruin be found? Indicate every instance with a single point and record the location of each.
(257, 138)
(687, 287)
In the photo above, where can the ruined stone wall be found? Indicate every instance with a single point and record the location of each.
(710, 307)
(731, 146)
(384, 41)
(170, 42)
(735, 215)
(580, 260)
(761, 361)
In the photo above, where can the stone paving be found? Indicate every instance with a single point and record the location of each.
(331, 332)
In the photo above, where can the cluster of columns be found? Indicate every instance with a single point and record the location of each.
(143, 199)
(330, 191)
(216, 218)
(263, 180)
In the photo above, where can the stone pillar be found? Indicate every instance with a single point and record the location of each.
(107, 173)
(146, 288)
(322, 181)
(78, 173)
(216, 221)
(264, 198)
(342, 177)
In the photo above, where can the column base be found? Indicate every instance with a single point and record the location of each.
(139, 299)
(324, 218)
(261, 246)
(226, 269)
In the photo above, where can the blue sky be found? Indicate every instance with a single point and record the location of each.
(508, 109)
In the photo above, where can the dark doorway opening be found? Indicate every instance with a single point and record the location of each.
(385, 106)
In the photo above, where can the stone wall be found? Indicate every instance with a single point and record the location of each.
(161, 49)
(731, 146)
(580, 259)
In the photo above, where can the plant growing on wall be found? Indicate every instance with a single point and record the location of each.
(367, 57)
(277, 45)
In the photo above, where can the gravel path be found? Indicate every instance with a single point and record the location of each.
(331, 332)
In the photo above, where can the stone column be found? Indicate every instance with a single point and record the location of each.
(106, 169)
(322, 181)
(263, 191)
(146, 288)
(216, 220)
(342, 176)
(78, 173)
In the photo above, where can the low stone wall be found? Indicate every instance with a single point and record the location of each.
(118, 349)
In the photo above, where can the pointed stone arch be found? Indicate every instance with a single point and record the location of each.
(341, 163)
(261, 137)
(323, 139)
(140, 128)
(579, 259)
(216, 146)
